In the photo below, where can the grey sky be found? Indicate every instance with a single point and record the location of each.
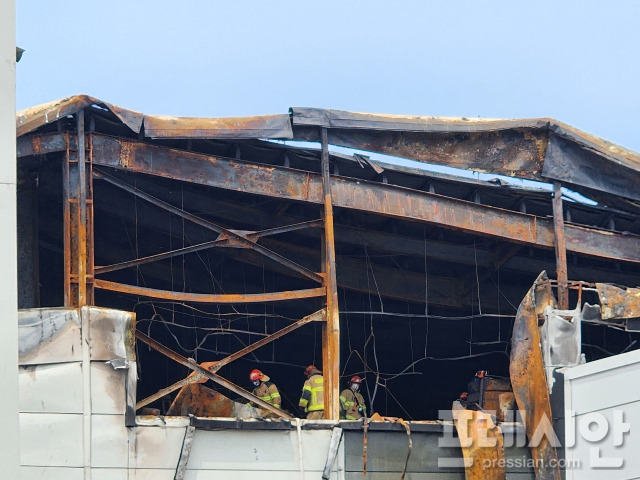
(576, 61)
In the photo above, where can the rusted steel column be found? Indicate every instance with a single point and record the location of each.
(78, 221)
(560, 245)
(331, 348)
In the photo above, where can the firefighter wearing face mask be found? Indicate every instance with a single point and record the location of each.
(352, 405)
(264, 389)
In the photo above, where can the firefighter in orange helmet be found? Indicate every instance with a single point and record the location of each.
(312, 399)
(352, 405)
(264, 389)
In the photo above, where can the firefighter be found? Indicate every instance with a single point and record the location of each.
(312, 399)
(264, 389)
(352, 405)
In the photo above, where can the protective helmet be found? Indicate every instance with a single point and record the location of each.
(355, 379)
(309, 369)
(255, 375)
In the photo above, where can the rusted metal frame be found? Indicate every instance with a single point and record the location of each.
(89, 223)
(314, 317)
(482, 444)
(376, 198)
(285, 229)
(214, 227)
(211, 376)
(560, 247)
(158, 257)
(82, 205)
(331, 370)
(78, 220)
(528, 378)
(41, 144)
(202, 246)
(206, 298)
(66, 223)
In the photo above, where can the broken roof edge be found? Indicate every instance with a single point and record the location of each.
(157, 126)
(329, 118)
(32, 118)
(532, 161)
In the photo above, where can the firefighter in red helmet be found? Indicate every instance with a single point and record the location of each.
(264, 389)
(352, 405)
(312, 399)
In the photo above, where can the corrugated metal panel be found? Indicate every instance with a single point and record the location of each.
(39, 381)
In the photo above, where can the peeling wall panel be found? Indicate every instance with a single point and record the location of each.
(60, 340)
(113, 333)
(51, 440)
(54, 388)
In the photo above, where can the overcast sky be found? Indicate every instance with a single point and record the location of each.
(576, 61)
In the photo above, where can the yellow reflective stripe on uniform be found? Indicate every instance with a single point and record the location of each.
(315, 390)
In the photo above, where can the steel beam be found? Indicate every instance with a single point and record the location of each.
(253, 236)
(239, 239)
(560, 246)
(382, 199)
(211, 376)
(215, 366)
(403, 245)
(206, 298)
(331, 338)
(78, 220)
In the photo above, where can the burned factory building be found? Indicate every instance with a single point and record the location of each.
(314, 237)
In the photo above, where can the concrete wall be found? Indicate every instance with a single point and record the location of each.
(9, 453)
(602, 414)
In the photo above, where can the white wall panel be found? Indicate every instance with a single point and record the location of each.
(259, 450)
(53, 440)
(137, 474)
(107, 389)
(157, 447)
(595, 391)
(271, 475)
(51, 473)
(109, 441)
(53, 388)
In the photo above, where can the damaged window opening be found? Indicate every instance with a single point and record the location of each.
(197, 251)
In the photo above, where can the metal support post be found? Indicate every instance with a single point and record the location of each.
(331, 343)
(561, 251)
(78, 221)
